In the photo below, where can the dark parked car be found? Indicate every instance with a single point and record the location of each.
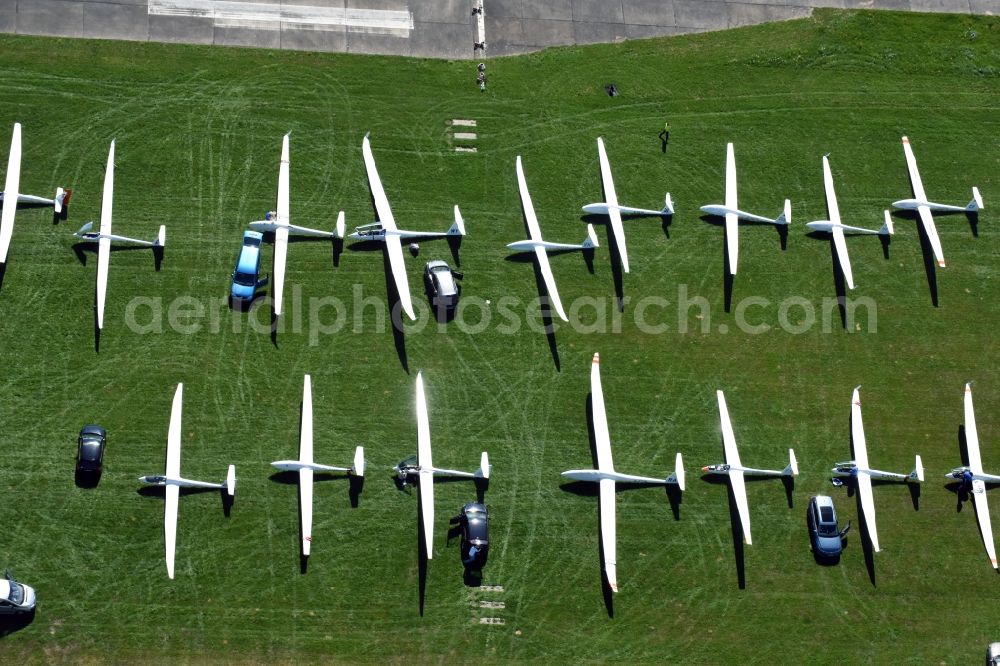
(441, 284)
(474, 523)
(827, 537)
(90, 450)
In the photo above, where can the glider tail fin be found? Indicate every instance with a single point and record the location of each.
(359, 462)
(886, 229)
(793, 466)
(786, 214)
(668, 205)
(231, 480)
(678, 474)
(917, 475)
(976, 204)
(458, 228)
(61, 202)
(484, 467)
(340, 229)
(161, 237)
(590, 242)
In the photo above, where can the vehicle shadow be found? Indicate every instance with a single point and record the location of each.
(10, 624)
(85, 479)
(243, 305)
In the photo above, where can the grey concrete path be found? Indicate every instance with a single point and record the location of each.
(423, 28)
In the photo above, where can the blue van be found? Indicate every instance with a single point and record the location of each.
(246, 280)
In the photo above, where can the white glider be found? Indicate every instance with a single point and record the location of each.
(614, 211)
(606, 475)
(836, 228)
(104, 237)
(59, 203)
(11, 185)
(306, 467)
(17, 200)
(278, 222)
(541, 247)
(979, 478)
(425, 470)
(733, 214)
(736, 471)
(924, 207)
(858, 469)
(173, 482)
(385, 230)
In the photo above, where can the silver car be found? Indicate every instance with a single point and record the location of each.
(15, 598)
(441, 284)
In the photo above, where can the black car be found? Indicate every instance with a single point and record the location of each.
(826, 536)
(90, 450)
(474, 524)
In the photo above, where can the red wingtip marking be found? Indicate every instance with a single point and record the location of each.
(906, 139)
(597, 358)
(941, 264)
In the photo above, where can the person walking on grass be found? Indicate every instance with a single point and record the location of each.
(665, 136)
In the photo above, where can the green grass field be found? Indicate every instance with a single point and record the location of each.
(199, 133)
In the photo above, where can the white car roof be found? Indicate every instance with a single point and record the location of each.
(4, 588)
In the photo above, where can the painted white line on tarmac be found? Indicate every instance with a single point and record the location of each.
(274, 16)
